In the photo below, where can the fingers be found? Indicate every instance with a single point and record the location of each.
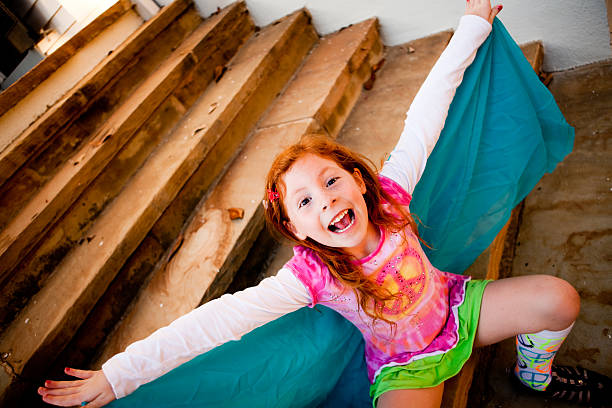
(62, 384)
(71, 396)
(63, 400)
(99, 400)
(58, 391)
(79, 373)
(94, 388)
(482, 8)
(494, 11)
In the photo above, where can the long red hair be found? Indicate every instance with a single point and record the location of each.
(337, 260)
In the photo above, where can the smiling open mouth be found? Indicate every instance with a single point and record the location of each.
(342, 221)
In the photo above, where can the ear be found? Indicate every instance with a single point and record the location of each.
(294, 230)
(359, 180)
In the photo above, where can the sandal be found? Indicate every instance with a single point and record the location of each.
(577, 385)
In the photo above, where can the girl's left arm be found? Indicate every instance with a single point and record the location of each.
(212, 324)
(427, 113)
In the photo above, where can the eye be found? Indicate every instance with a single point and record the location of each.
(304, 202)
(332, 181)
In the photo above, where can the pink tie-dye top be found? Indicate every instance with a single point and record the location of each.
(426, 312)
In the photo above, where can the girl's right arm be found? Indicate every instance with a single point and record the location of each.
(210, 325)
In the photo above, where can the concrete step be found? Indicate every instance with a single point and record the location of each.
(111, 130)
(26, 133)
(212, 246)
(186, 71)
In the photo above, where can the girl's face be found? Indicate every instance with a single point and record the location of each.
(325, 202)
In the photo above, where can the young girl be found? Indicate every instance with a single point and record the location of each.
(359, 253)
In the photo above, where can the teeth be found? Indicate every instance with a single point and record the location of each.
(338, 217)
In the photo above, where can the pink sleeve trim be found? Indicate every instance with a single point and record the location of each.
(395, 190)
(305, 282)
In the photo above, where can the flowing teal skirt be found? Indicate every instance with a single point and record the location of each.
(503, 132)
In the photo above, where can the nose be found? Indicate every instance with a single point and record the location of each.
(327, 202)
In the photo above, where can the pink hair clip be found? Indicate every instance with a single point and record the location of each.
(273, 195)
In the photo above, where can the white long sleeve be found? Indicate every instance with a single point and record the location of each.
(429, 109)
(212, 324)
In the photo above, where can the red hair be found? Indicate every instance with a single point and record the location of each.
(338, 261)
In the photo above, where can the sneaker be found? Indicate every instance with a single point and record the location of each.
(577, 385)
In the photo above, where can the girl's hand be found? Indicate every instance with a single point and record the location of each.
(482, 8)
(93, 388)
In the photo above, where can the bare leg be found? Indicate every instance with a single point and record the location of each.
(414, 398)
(525, 304)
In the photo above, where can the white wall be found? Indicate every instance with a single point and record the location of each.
(574, 32)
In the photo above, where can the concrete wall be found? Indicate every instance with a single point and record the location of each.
(573, 32)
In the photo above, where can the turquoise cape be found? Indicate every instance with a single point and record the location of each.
(503, 132)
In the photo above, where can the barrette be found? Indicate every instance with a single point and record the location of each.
(273, 195)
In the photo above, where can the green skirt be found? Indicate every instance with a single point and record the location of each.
(433, 370)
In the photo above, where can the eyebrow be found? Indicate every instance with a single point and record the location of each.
(303, 188)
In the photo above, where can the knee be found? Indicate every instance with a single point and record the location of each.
(558, 301)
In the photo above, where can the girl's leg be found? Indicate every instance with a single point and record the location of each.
(546, 307)
(540, 311)
(525, 304)
(417, 398)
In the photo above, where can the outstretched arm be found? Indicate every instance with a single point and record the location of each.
(427, 114)
(210, 325)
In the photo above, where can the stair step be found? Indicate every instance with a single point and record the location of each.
(51, 319)
(73, 225)
(212, 247)
(24, 85)
(39, 133)
(75, 175)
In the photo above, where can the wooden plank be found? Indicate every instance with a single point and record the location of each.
(45, 127)
(72, 178)
(24, 85)
(242, 187)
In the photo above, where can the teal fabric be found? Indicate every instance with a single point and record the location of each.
(503, 132)
(294, 361)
